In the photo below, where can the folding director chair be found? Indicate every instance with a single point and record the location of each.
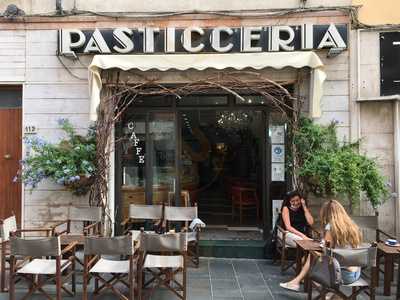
(96, 266)
(39, 269)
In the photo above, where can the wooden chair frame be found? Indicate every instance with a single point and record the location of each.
(34, 280)
(91, 226)
(193, 250)
(5, 251)
(101, 283)
(284, 251)
(356, 290)
(244, 206)
(145, 212)
(163, 277)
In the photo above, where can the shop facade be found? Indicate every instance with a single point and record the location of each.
(200, 145)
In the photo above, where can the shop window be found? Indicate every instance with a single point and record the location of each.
(203, 100)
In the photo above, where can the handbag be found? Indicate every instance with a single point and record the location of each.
(326, 271)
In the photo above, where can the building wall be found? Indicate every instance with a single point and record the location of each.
(49, 6)
(373, 120)
(374, 12)
(57, 87)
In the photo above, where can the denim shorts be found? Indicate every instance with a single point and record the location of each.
(349, 277)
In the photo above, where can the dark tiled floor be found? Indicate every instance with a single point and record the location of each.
(231, 279)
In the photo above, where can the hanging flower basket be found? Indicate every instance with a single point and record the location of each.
(70, 163)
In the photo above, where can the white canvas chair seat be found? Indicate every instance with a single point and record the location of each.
(111, 266)
(43, 266)
(163, 261)
(280, 236)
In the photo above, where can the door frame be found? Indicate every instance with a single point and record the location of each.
(177, 111)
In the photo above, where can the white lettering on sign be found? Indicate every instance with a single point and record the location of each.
(332, 38)
(124, 38)
(97, 44)
(216, 39)
(276, 43)
(221, 39)
(249, 36)
(135, 140)
(187, 39)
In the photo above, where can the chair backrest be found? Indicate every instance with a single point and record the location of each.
(174, 213)
(121, 245)
(36, 247)
(145, 212)
(366, 222)
(153, 242)
(91, 214)
(361, 257)
(7, 227)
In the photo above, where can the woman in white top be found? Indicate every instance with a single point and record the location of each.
(341, 232)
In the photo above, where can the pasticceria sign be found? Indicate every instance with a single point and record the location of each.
(196, 39)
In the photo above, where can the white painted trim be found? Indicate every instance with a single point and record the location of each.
(379, 98)
(111, 183)
(23, 157)
(396, 126)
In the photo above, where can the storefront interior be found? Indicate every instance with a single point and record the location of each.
(209, 150)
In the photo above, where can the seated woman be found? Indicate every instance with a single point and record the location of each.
(341, 232)
(296, 218)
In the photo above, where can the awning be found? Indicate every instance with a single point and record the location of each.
(182, 62)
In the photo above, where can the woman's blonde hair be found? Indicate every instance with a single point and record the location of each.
(343, 230)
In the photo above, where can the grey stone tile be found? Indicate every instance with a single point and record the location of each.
(221, 269)
(256, 295)
(225, 288)
(245, 267)
(199, 283)
(251, 282)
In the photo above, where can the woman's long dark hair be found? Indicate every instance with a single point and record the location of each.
(289, 196)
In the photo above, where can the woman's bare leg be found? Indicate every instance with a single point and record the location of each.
(302, 274)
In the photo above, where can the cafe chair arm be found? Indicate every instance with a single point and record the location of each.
(54, 227)
(70, 248)
(380, 232)
(94, 227)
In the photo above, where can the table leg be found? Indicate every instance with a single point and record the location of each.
(388, 275)
(398, 278)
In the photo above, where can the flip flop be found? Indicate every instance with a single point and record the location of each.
(291, 287)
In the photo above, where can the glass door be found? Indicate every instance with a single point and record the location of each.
(147, 155)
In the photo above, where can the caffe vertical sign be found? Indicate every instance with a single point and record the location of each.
(221, 39)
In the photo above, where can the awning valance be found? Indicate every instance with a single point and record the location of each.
(182, 62)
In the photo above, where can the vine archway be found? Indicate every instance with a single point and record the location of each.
(118, 96)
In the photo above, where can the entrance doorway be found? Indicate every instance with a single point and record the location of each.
(213, 151)
(222, 165)
(10, 150)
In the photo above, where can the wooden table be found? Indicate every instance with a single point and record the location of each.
(302, 250)
(389, 255)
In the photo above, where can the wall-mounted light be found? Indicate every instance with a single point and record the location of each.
(333, 52)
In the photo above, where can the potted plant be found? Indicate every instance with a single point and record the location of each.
(327, 168)
(71, 162)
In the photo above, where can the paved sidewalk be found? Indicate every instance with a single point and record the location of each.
(233, 279)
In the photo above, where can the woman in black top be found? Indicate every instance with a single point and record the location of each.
(296, 218)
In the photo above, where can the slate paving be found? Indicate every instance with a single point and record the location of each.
(233, 279)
